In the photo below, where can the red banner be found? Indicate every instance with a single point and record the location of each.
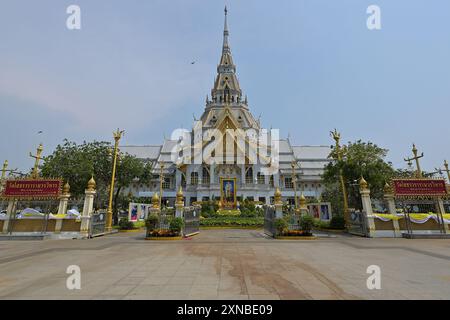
(419, 187)
(32, 189)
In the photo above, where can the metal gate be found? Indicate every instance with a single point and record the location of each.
(357, 224)
(424, 206)
(97, 224)
(269, 221)
(191, 221)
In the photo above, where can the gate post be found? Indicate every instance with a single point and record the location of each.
(62, 209)
(367, 207)
(87, 208)
(179, 204)
(278, 204)
(440, 205)
(155, 209)
(9, 213)
(390, 200)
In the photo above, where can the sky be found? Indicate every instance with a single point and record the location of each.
(307, 66)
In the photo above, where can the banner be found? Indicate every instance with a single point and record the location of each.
(32, 189)
(419, 187)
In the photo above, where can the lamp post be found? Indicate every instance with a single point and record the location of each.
(117, 136)
(338, 155)
(446, 170)
(5, 166)
(416, 158)
(294, 182)
(161, 179)
(38, 157)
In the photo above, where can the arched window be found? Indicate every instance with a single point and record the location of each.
(205, 177)
(271, 181)
(261, 178)
(194, 178)
(249, 176)
(183, 180)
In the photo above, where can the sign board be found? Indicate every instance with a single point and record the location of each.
(419, 187)
(32, 189)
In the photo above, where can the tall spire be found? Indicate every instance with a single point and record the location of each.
(226, 47)
(226, 85)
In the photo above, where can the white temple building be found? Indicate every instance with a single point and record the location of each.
(228, 109)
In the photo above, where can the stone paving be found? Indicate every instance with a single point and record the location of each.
(225, 264)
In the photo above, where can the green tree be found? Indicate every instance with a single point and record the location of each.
(361, 159)
(76, 164)
(129, 170)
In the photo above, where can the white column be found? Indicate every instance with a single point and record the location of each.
(62, 209)
(88, 208)
(368, 213)
(9, 213)
(440, 204)
(390, 200)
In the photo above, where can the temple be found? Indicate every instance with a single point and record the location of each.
(298, 172)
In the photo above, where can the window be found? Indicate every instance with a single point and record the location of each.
(288, 183)
(249, 176)
(261, 178)
(194, 178)
(205, 177)
(271, 181)
(167, 183)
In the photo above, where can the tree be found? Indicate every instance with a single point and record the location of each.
(76, 164)
(129, 169)
(361, 159)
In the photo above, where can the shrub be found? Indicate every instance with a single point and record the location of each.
(175, 224)
(306, 223)
(124, 224)
(337, 222)
(281, 225)
(152, 222)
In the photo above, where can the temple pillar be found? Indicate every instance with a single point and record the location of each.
(179, 203)
(62, 208)
(10, 211)
(278, 204)
(390, 201)
(440, 205)
(88, 208)
(367, 207)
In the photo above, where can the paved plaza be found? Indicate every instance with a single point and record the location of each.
(225, 264)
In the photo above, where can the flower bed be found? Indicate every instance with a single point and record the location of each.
(232, 221)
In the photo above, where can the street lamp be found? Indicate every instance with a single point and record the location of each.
(117, 136)
(338, 155)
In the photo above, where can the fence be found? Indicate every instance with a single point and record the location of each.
(269, 220)
(191, 220)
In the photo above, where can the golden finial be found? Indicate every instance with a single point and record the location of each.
(155, 200)
(363, 185)
(180, 195)
(91, 184)
(387, 188)
(277, 196)
(66, 188)
(302, 200)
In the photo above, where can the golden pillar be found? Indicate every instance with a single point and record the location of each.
(446, 170)
(117, 136)
(416, 158)
(5, 166)
(338, 155)
(294, 183)
(161, 179)
(37, 158)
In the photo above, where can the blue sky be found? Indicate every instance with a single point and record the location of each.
(307, 67)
